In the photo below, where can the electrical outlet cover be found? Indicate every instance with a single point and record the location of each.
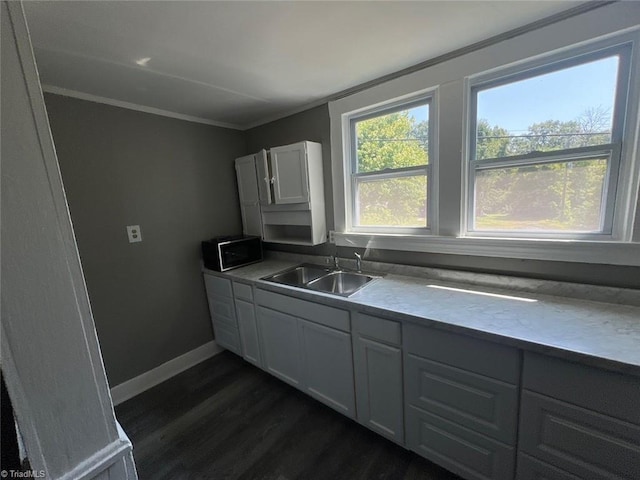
(134, 233)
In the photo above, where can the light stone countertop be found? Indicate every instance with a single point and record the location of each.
(601, 334)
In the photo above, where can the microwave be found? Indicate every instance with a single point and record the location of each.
(224, 253)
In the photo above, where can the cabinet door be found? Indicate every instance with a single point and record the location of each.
(290, 174)
(247, 180)
(264, 177)
(378, 375)
(280, 345)
(249, 195)
(248, 331)
(328, 366)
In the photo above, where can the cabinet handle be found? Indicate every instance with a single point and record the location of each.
(273, 180)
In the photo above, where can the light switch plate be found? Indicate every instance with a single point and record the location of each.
(332, 236)
(134, 233)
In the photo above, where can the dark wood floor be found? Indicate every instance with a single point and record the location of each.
(225, 419)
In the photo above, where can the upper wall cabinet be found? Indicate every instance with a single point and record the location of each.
(285, 190)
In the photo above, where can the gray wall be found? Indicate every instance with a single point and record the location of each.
(314, 124)
(176, 180)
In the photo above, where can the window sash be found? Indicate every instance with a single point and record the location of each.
(610, 151)
(390, 173)
(623, 51)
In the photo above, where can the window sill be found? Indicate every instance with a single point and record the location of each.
(610, 253)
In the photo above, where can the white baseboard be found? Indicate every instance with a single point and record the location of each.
(139, 384)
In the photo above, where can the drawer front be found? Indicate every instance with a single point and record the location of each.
(580, 441)
(378, 328)
(585, 386)
(479, 356)
(222, 310)
(483, 404)
(314, 312)
(217, 285)
(531, 469)
(466, 453)
(227, 337)
(242, 291)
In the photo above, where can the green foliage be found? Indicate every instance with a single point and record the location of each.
(557, 196)
(389, 142)
(561, 196)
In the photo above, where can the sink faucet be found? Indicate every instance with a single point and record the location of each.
(335, 262)
(358, 262)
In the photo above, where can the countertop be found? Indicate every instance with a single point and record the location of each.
(605, 335)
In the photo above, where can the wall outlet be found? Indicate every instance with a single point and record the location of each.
(332, 236)
(134, 233)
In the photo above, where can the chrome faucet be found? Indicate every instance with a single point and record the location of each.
(335, 262)
(358, 262)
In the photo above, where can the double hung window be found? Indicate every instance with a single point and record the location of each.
(545, 148)
(390, 169)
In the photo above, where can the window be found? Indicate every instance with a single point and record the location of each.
(546, 148)
(390, 169)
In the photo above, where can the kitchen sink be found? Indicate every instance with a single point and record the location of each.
(340, 283)
(299, 276)
(322, 279)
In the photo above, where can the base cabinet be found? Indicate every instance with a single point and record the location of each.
(280, 345)
(223, 314)
(308, 345)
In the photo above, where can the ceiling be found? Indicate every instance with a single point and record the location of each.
(242, 63)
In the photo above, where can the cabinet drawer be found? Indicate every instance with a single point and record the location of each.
(580, 441)
(322, 314)
(243, 291)
(531, 469)
(588, 387)
(378, 328)
(217, 285)
(222, 310)
(479, 356)
(466, 453)
(480, 403)
(227, 337)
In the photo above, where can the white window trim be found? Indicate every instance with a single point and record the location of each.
(616, 213)
(611, 22)
(431, 170)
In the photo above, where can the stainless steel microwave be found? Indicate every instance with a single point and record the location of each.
(224, 253)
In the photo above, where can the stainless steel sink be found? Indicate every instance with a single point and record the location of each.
(340, 283)
(321, 279)
(299, 276)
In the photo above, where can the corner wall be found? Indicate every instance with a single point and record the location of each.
(176, 180)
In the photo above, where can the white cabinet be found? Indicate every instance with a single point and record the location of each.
(308, 345)
(378, 375)
(327, 366)
(249, 195)
(223, 314)
(461, 402)
(289, 166)
(280, 345)
(282, 194)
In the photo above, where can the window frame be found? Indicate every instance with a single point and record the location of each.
(429, 170)
(611, 228)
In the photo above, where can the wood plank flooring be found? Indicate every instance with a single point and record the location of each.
(225, 419)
